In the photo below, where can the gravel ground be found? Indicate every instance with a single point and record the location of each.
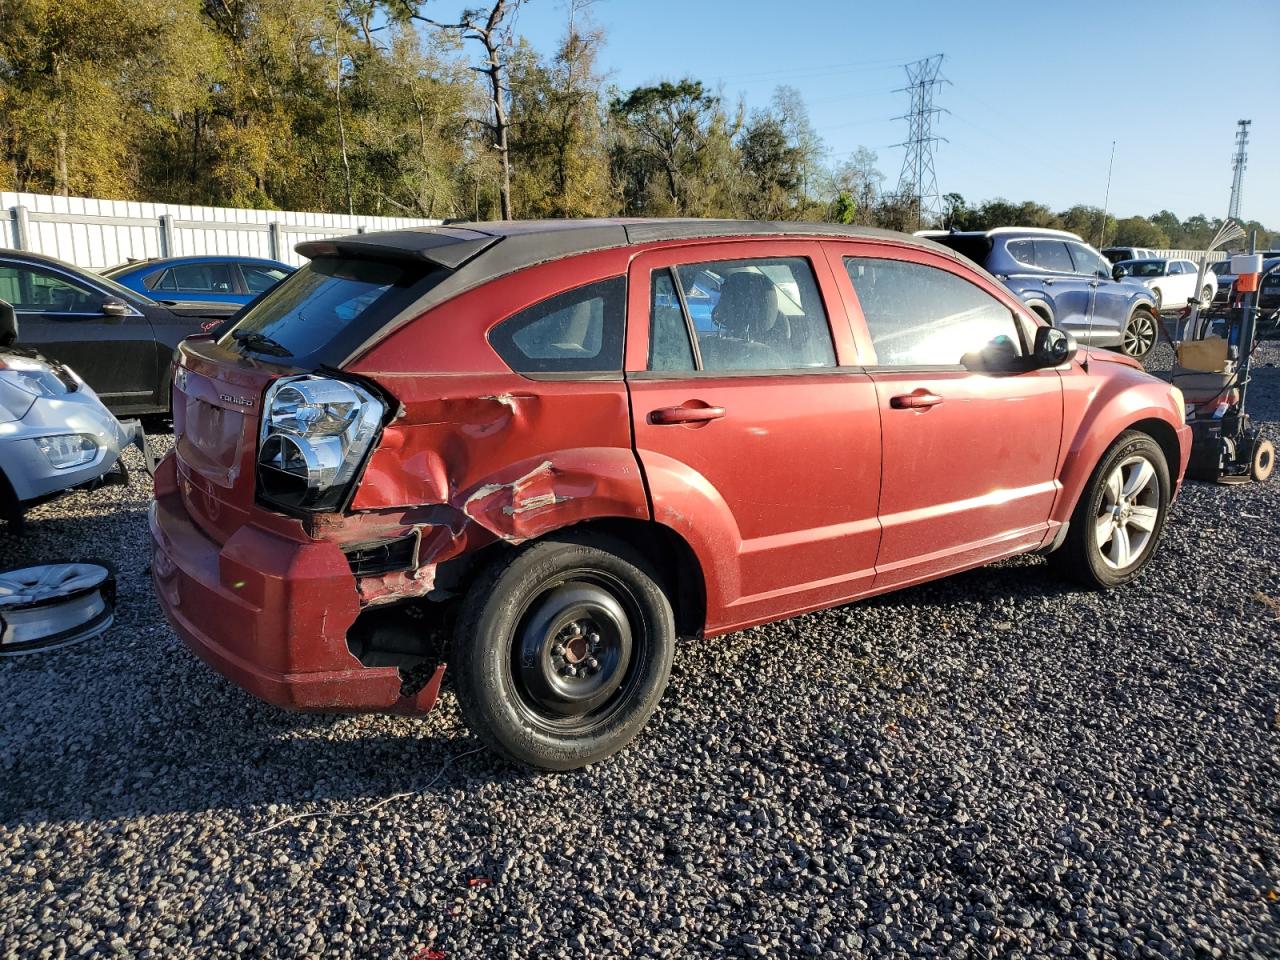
(991, 765)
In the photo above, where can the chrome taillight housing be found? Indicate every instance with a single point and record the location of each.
(315, 433)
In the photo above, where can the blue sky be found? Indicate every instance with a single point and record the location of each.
(1038, 90)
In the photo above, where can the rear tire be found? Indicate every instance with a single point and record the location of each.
(1141, 333)
(562, 651)
(1118, 521)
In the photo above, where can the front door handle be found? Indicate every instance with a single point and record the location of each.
(1048, 281)
(685, 414)
(917, 400)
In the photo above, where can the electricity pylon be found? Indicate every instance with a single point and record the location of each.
(918, 181)
(1238, 163)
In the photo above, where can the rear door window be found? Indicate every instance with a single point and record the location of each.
(202, 278)
(738, 316)
(579, 331)
(1053, 255)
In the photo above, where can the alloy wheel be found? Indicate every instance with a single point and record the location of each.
(1139, 335)
(1128, 512)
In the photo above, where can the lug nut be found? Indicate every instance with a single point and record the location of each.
(571, 670)
(593, 664)
(558, 649)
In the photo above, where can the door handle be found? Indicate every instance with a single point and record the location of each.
(918, 400)
(670, 415)
(1048, 281)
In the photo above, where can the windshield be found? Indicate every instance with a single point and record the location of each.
(974, 246)
(1143, 268)
(325, 310)
(1221, 267)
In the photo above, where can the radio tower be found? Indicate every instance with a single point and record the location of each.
(1238, 163)
(918, 181)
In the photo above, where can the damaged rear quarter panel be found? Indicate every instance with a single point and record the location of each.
(481, 451)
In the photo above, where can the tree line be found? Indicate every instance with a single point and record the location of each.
(381, 107)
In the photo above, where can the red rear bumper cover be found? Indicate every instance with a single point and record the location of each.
(268, 612)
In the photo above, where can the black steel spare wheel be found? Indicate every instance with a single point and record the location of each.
(562, 650)
(573, 651)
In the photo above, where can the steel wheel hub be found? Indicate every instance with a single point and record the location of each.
(1127, 515)
(572, 650)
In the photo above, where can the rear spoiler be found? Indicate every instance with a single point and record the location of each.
(448, 247)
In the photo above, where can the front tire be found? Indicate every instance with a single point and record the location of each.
(1206, 298)
(1120, 516)
(562, 651)
(1140, 334)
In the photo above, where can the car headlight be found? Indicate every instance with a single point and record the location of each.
(31, 376)
(315, 433)
(69, 449)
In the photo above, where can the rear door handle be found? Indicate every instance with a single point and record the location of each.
(669, 415)
(918, 400)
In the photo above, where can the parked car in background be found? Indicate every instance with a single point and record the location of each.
(1116, 254)
(55, 434)
(120, 341)
(1227, 280)
(216, 279)
(1065, 281)
(522, 430)
(1171, 282)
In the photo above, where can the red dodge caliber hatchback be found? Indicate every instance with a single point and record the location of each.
(541, 452)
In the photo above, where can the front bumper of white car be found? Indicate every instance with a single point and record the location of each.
(34, 472)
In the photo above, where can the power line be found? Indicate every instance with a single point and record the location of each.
(918, 181)
(1238, 163)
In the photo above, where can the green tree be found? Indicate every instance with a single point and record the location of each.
(1138, 232)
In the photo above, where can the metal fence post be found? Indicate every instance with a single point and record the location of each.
(273, 239)
(21, 228)
(167, 248)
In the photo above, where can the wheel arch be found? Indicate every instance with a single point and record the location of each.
(1084, 457)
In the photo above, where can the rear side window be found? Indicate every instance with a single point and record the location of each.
(580, 331)
(327, 309)
(1023, 251)
(918, 315)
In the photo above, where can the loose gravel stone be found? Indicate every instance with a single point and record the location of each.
(990, 765)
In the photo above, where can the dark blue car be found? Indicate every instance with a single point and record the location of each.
(211, 279)
(1066, 281)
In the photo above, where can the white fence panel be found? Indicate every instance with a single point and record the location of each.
(99, 233)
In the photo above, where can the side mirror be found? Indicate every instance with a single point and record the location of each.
(1053, 347)
(1119, 272)
(113, 307)
(8, 324)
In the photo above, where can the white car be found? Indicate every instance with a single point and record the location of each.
(55, 434)
(1171, 282)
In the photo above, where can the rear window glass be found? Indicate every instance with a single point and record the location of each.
(327, 309)
(579, 331)
(975, 248)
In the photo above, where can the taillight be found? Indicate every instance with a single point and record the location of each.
(314, 436)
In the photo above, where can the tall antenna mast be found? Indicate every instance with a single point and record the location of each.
(1106, 199)
(1238, 162)
(918, 182)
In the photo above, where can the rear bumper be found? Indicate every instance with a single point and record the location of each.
(269, 613)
